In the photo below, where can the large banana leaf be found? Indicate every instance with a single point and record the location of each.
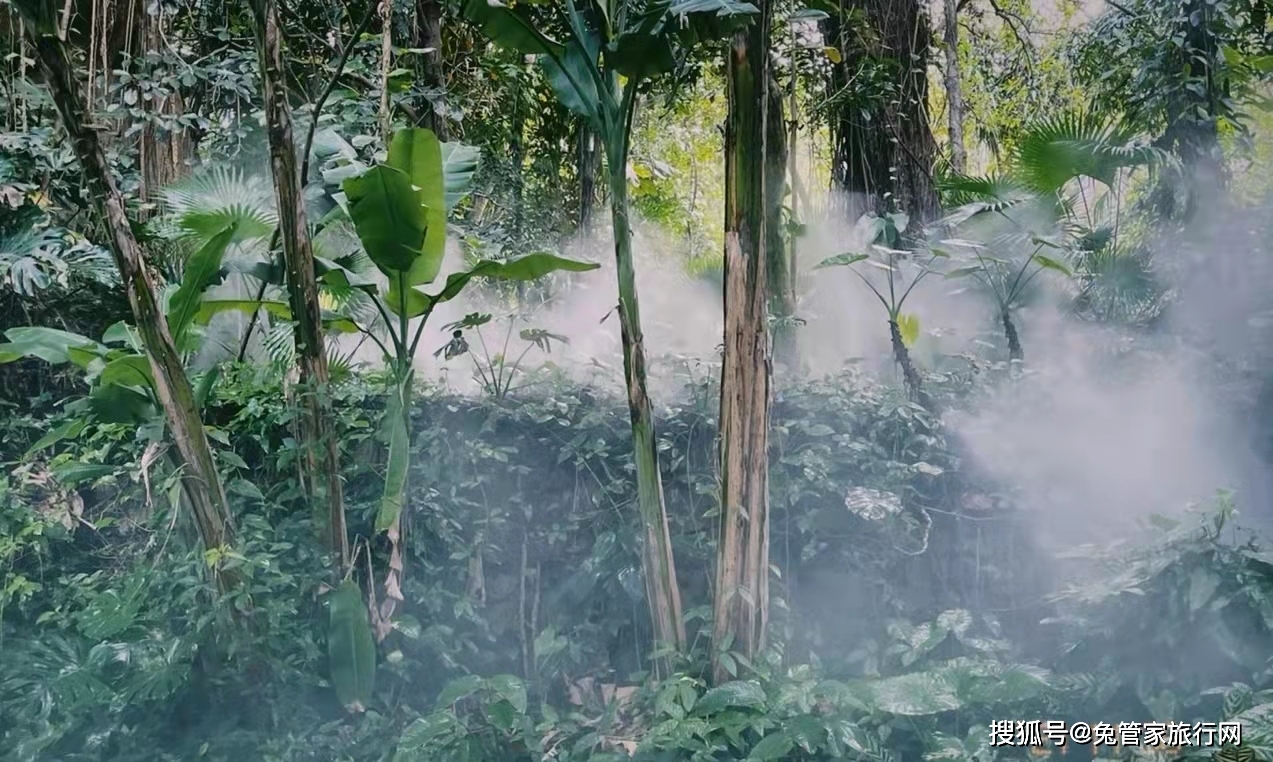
(50, 345)
(572, 72)
(351, 648)
(509, 28)
(202, 268)
(459, 165)
(527, 268)
(417, 153)
(389, 217)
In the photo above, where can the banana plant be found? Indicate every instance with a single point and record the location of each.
(612, 50)
(883, 236)
(398, 209)
(1007, 281)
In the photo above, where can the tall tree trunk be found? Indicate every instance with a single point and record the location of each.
(884, 149)
(658, 564)
(517, 152)
(589, 168)
(322, 462)
(200, 482)
(386, 67)
(428, 36)
(778, 266)
(740, 613)
(954, 89)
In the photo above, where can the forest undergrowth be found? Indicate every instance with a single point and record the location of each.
(912, 611)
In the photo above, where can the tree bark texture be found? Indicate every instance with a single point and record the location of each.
(658, 564)
(954, 88)
(201, 484)
(589, 168)
(428, 36)
(881, 140)
(778, 265)
(741, 606)
(1015, 351)
(322, 461)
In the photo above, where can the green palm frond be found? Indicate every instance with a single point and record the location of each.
(1054, 151)
(279, 346)
(972, 196)
(208, 203)
(1117, 283)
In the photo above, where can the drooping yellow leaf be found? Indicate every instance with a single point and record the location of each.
(909, 326)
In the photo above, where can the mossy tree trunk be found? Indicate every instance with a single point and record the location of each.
(428, 37)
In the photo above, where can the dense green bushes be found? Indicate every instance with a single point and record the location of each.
(911, 605)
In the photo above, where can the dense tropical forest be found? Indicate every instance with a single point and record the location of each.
(665, 380)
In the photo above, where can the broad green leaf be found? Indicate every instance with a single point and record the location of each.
(772, 747)
(572, 77)
(529, 267)
(48, 344)
(122, 333)
(399, 441)
(509, 27)
(75, 473)
(417, 741)
(644, 48)
(389, 217)
(115, 403)
(351, 648)
(411, 301)
(130, 370)
(841, 260)
(459, 165)
(510, 688)
(204, 390)
(68, 430)
(459, 688)
(963, 272)
(1052, 264)
(731, 695)
(417, 153)
(912, 695)
(336, 274)
(201, 269)
(211, 307)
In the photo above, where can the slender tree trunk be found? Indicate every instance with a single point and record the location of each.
(1015, 351)
(778, 266)
(658, 564)
(428, 36)
(902, 355)
(386, 64)
(740, 614)
(954, 89)
(517, 153)
(200, 482)
(589, 168)
(322, 461)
